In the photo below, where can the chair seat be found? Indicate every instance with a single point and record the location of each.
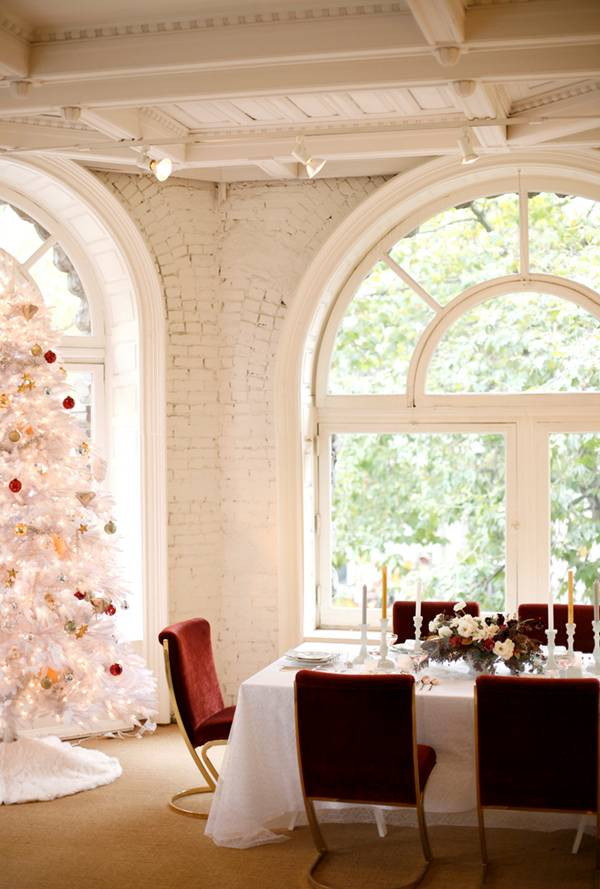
(426, 760)
(215, 728)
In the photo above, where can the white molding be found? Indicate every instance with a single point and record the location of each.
(146, 288)
(332, 266)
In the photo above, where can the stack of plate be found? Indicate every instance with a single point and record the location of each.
(298, 657)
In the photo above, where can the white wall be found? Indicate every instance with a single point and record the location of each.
(229, 274)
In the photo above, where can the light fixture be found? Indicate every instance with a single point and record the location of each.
(161, 169)
(312, 165)
(468, 154)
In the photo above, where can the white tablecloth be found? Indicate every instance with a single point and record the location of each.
(260, 784)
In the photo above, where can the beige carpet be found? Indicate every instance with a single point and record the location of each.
(124, 835)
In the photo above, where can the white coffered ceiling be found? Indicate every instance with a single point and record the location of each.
(224, 89)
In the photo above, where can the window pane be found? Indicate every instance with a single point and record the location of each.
(428, 505)
(81, 383)
(564, 236)
(522, 342)
(462, 246)
(575, 512)
(377, 336)
(63, 292)
(20, 235)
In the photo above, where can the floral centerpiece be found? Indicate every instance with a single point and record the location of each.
(483, 642)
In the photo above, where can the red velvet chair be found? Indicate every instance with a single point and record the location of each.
(537, 613)
(536, 743)
(196, 699)
(344, 723)
(404, 612)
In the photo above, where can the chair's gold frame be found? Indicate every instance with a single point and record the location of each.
(480, 808)
(206, 767)
(315, 827)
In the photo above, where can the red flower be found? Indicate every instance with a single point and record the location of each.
(455, 641)
(68, 403)
(489, 644)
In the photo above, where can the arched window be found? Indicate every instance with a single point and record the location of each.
(457, 407)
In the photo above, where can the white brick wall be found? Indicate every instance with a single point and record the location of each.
(229, 273)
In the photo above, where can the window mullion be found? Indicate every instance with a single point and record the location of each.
(37, 254)
(523, 230)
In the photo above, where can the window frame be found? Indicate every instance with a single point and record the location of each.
(528, 493)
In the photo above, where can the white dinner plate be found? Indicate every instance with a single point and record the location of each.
(403, 647)
(310, 657)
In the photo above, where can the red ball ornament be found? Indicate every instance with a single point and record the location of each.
(110, 609)
(15, 485)
(79, 595)
(116, 669)
(68, 403)
(50, 356)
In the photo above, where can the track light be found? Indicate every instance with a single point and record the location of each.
(468, 154)
(312, 165)
(161, 169)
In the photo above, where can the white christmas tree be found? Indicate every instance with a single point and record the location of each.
(59, 584)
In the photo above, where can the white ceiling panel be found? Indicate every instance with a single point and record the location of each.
(314, 105)
(432, 98)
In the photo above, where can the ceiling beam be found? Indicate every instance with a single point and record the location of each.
(442, 22)
(276, 169)
(479, 101)
(536, 22)
(574, 114)
(488, 66)
(14, 55)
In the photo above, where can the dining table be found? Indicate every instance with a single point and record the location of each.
(259, 796)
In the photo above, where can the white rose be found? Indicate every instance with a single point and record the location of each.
(445, 631)
(435, 623)
(505, 650)
(485, 631)
(467, 626)
(460, 606)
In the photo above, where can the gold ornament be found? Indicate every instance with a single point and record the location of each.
(28, 310)
(84, 448)
(82, 528)
(4, 400)
(28, 383)
(60, 547)
(20, 529)
(85, 497)
(49, 599)
(29, 430)
(46, 682)
(81, 631)
(110, 527)
(36, 350)
(14, 435)
(11, 576)
(62, 371)
(70, 626)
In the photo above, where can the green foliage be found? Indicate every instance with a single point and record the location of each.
(411, 497)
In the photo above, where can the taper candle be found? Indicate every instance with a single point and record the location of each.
(418, 602)
(570, 598)
(550, 608)
(596, 598)
(384, 592)
(364, 604)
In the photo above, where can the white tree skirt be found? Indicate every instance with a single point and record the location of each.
(45, 768)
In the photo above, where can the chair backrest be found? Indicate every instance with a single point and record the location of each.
(356, 737)
(537, 612)
(193, 675)
(404, 612)
(537, 742)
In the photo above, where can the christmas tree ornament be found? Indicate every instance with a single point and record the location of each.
(60, 547)
(28, 310)
(85, 497)
(116, 669)
(54, 652)
(110, 527)
(27, 383)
